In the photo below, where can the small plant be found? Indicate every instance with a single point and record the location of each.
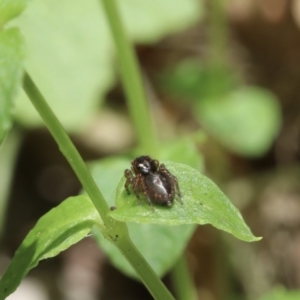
(74, 218)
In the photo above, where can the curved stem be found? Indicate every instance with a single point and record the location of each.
(148, 276)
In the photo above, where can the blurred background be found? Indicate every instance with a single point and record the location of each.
(225, 74)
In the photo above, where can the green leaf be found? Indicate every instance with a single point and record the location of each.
(56, 231)
(71, 53)
(246, 120)
(204, 203)
(194, 80)
(169, 242)
(11, 59)
(9, 9)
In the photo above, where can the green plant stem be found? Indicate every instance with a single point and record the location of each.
(182, 281)
(148, 276)
(113, 227)
(67, 148)
(132, 81)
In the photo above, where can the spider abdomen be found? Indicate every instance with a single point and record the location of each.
(159, 189)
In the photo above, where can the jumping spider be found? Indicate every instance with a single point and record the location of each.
(155, 181)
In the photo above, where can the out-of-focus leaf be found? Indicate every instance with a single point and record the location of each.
(171, 240)
(246, 120)
(148, 21)
(107, 174)
(193, 80)
(56, 231)
(184, 151)
(71, 54)
(9, 9)
(11, 60)
(203, 203)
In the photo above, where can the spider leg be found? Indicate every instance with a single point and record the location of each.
(163, 169)
(136, 187)
(144, 190)
(134, 181)
(129, 180)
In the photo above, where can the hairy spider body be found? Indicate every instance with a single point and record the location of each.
(155, 181)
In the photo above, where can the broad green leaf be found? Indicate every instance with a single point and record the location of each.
(11, 59)
(10, 9)
(281, 293)
(204, 203)
(246, 120)
(56, 231)
(169, 241)
(71, 53)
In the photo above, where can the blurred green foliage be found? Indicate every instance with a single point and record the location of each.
(245, 119)
(9, 9)
(70, 52)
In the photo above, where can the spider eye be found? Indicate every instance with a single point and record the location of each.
(144, 168)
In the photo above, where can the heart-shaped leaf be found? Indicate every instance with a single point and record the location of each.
(11, 60)
(56, 231)
(203, 203)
